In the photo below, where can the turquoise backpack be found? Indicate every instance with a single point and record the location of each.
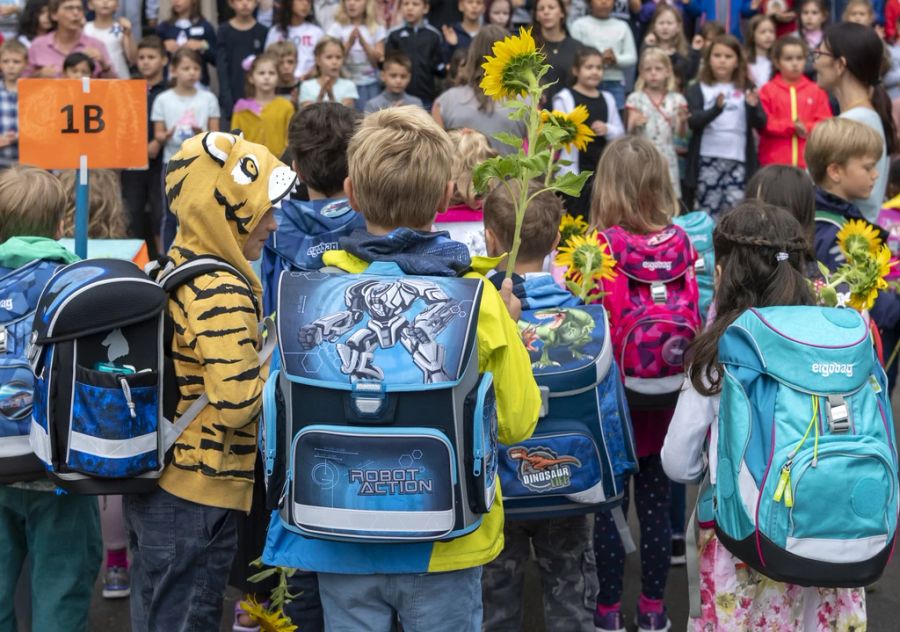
(806, 485)
(699, 227)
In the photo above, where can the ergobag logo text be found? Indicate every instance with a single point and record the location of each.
(827, 369)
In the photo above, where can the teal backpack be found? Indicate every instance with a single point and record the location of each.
(806, 484)
(699, 227)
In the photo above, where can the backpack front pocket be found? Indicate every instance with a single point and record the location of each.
(378, 484)
(115, 423)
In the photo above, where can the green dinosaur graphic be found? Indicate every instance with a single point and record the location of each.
(566, 327)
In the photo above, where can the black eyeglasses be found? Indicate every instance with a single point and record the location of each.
(818, 52)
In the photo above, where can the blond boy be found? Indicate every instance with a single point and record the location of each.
(13, 59)
(399, 179)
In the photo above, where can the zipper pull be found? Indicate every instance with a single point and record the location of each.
(126, 390)
(788, 494)
(783, 489)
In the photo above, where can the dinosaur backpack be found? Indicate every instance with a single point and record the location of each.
(582, 449)
(105, 390)
(806, 483)
(378, 426)
(653, 305)
(20, 289)
(306, 231)
(699, 226)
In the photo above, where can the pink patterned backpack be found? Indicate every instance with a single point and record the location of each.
(653, 306)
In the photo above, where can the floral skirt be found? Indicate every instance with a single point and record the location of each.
(736, 598)
(720, 184)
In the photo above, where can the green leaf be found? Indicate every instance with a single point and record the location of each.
(554, 134)
(258, 577)
(570, 183)
(537, 164)
(510, 139)
(823, 269)
(574, 288)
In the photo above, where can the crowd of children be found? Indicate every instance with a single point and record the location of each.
(377, 107)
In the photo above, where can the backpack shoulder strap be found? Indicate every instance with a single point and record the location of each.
(831, 218)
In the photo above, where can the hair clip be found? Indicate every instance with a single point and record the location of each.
(782, 256)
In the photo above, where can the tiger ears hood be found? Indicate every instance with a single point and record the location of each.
(219, 186)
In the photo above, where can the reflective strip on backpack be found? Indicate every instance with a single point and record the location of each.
(18, 445)
(40, 443)
(113, 448)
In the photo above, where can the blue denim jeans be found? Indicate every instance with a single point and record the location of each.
(182, 553)
(61, 534)
(427, 602)
(617, 90)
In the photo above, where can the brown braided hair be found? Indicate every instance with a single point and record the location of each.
(752, 272)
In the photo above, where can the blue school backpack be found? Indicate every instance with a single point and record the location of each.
(699, 226)
(378, 426)
(20, 290)
(806, 488)
(582, 449)
(306, 231)
(105, 390)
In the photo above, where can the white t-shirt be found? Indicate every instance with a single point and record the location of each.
(343, 89)
(356, 63)
(305, 37)
(112, 38)
(184, 113)
(726, 136)
(760, 71)
(872, 205)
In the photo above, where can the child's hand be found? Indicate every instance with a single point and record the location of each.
(195, 44)
(354, 37)
(171, 45)
(683, 114)
(650, 40)
(153, 148)
(170, 133)
(697, 42)
(720, 100)
(600, 128)
(125, 23)
(609, 57)
(450, 35)
(93, 53)
(512, 302)
(752, 97)
(636, 118)
(880, 30)
(800, 129)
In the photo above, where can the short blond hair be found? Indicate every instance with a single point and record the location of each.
(399, 162)
(632, 187)
(32, 203)
(835, 141)
(540, 226)
(469, 149)
(107, 218)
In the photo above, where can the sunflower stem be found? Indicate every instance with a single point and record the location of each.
(587, 276)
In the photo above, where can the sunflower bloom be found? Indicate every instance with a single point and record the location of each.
(858, 235)
(514, 67)
(587, 263)
(570, 226)
(869, 279)
(577, 133)
(268, 620)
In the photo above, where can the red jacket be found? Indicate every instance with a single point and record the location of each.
(891, 15)
(785, 103)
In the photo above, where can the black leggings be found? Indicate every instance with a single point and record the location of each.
(652, 500)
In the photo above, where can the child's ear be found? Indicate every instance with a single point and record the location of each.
(834, 172)
(448, 195)
(556, 241)
(348, 191)
(61, 229)
(491, 244)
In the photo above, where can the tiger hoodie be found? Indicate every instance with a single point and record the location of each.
(219, 186)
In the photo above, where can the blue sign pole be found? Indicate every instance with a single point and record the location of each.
(82, 210)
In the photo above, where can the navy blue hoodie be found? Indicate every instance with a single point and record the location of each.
(886, 311)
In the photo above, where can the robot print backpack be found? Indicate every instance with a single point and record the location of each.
(378, 426)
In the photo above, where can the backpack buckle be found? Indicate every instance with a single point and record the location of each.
(368, 398)
(700, 265)
(545, 401)
(658, 292)
(838, 414)
(4, 339)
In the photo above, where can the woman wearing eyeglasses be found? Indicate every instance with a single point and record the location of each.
(47, 52)
(848, 63)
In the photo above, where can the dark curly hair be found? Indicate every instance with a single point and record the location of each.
(317, 138)
(748, 241)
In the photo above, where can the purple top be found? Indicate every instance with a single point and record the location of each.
(43, 52)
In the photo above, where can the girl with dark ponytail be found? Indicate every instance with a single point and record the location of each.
(849, 62)
(760, 262)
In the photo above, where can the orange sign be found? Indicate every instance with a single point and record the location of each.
(61, 120)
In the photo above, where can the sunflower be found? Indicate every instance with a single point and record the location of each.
(506, 74)
(868, 280)
(570, 226)
(858, 235)
(585, 256)
(268, 620)
(577, 133)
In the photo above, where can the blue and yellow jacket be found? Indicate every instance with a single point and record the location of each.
(501, 352)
